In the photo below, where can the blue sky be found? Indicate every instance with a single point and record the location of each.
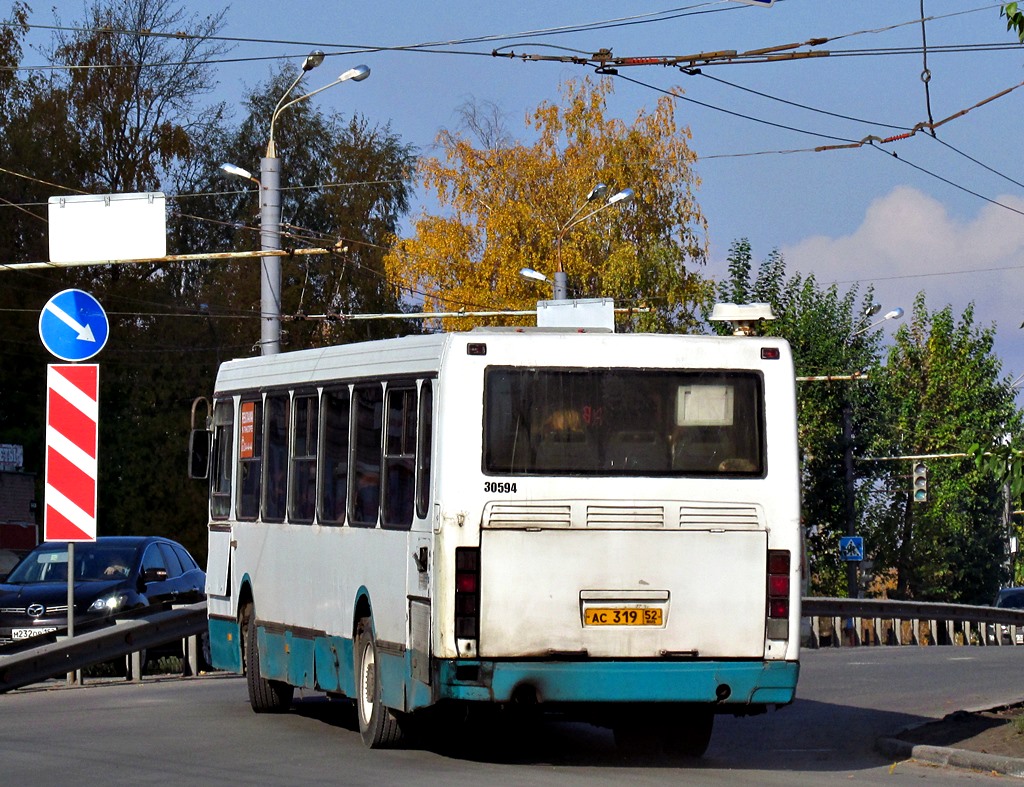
(944, 215)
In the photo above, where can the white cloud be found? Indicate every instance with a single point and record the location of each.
(909, 243)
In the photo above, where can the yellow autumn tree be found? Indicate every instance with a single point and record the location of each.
(505, 205)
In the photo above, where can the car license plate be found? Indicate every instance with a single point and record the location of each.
(33, 632)
(622, 616)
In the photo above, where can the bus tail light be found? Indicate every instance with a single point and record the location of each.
(467, 600)
(778, 594)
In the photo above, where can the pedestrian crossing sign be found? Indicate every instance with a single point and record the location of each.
(851, 547)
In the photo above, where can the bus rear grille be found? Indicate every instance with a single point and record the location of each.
(694, 517)
(612, 517)
(511, 515)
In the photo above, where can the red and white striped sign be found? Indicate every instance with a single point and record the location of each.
(72, 442)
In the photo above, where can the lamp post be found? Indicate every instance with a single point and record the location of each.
(561, 280)
(848, 485)
(270, 206)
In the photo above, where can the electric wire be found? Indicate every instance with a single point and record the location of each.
(768, 123)
(926, 75)
(433, 47)
(677, 96)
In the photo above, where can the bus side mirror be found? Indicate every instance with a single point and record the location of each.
(200, 443)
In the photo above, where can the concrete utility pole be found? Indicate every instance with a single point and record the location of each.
(270, 206)
(270, 267)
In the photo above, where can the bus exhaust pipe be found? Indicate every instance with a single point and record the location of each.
(722, 692)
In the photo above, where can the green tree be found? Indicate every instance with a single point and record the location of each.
(941, 391)
(829, 334)
(134, 98)
(128, 120)
(1014, 19)
(512, 205)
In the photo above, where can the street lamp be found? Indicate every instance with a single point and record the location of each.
(850, 491)
(238, 172)
(561, 283)
(357, 74)
(270, 205)
(895, 314)
(530, 273)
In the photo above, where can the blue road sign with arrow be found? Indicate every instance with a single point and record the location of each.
(851, 547)
(73, 326)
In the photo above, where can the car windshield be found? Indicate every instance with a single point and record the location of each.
(1011, 600)
(95, 562)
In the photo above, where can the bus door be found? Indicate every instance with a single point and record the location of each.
(406, 502)
(219, 543)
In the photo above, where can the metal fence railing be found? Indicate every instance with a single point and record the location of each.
(834, 622)
(24, 666)
(840, 622)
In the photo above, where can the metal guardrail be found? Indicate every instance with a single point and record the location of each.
(24, 667)
(835, 622)
(838, 622)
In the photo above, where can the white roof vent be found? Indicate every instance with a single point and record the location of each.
(742, 315)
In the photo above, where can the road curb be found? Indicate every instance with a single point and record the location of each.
(957, 758)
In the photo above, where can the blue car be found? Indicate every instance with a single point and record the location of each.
(114, 575)
(1009, 598)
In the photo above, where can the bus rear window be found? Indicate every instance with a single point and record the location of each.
(623, 422)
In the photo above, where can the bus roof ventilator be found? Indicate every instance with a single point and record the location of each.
(743, 316)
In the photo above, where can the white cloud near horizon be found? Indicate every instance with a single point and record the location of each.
(908, 243)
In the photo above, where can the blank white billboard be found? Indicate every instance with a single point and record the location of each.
(101, 227)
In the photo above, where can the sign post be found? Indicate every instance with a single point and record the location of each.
(73, 327)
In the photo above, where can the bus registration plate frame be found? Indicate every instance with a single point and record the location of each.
(635, 615)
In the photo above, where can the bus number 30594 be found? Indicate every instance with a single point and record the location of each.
(500, 487)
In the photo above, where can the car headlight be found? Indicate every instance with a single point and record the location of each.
(109, 603)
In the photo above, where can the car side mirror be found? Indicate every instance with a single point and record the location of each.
(154, 575)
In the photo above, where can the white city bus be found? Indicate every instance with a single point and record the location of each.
(598, 524)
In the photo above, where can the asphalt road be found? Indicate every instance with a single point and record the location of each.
(202, 731)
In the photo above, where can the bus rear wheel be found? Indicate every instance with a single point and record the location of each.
(265, 696)
(378, 726)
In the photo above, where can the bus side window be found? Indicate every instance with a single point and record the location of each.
(368, 411)
(334, 455)
(423, 449)
(302, 485)
(400, 457)
(220, 479)
(275, 468)
(250, 458)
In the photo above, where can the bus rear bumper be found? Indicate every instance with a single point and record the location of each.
(726, 683)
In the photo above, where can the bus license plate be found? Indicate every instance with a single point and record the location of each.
(622, 616)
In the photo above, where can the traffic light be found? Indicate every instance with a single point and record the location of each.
(919, 484)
